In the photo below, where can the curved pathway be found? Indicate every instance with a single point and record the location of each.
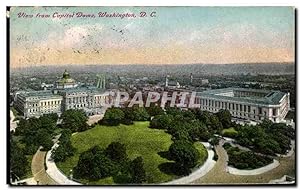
(257, 171)
(54, 172)
(38, 170)
(204, 169)
(220, 175)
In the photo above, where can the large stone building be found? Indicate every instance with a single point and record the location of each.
(65, 95)
(249, 104)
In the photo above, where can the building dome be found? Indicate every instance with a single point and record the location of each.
(66, 81)
(66, 75)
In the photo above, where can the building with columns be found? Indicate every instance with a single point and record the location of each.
(65, 95)
(37, 103)
(248, 104)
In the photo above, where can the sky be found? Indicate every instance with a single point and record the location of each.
(174, 35)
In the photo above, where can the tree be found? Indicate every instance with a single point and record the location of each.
(225, 118)
(18, 160)
(184, 154)
(65, 148)
(181, 135)
(215, 124)
(136, 113)
(198, 131)
(161, 121)
(48, 121)
(113, 117)
(116, 151)
(154, 110)
(73, 119)
(173, 111)
(138, 174)
(44, 139)
(94, 164)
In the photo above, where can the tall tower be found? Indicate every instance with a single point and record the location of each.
(191, 78)
(101, 82)
(167, 81)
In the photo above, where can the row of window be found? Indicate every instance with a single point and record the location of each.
(37, 110)
(226, 105)
(50, 103)
(233, 106)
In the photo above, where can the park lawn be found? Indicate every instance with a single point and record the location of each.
(139, 140)
(230, 132)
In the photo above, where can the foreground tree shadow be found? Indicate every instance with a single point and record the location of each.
(165, 154)
(171, 168)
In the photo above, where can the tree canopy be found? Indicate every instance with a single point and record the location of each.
(113, 116)
(73, 119)
(184, 154)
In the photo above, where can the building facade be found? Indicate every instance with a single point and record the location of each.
(37, 103)
(248, 104)
(65, 95)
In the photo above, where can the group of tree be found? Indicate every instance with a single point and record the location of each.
(97, 163)
(115, 116)
(18, 161)
(187, 127)
(191, 125)
(75, 120)
(35, 132)
(65, 148)
(267, 137)
(245, 159)
(185, 156)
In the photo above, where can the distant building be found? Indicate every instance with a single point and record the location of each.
(65, 95)
(167, 81)
(46, 86)
(191, 78)
(204, 81)
(249, 104)
(171, 84)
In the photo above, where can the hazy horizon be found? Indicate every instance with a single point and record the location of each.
(163, 69)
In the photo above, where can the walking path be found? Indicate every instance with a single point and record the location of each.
(28, 181)
(38, 170)
(257, 171)
(219, 174)
(54, 172)
(204, 169)
(94, 119)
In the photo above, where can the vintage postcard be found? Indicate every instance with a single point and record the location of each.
(151, 96)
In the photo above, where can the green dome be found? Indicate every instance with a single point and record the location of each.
(66, 75)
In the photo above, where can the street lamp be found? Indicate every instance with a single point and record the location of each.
(71, 174)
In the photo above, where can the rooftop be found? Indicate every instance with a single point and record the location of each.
(253, 96)
(89, 89)
(42, 94)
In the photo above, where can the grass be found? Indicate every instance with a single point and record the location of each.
(230, 132)
(139, 139)
(203, 153)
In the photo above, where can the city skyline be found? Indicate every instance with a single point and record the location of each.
(176, 35)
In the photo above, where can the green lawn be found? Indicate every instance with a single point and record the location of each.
(139, 140)
(230, 132)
